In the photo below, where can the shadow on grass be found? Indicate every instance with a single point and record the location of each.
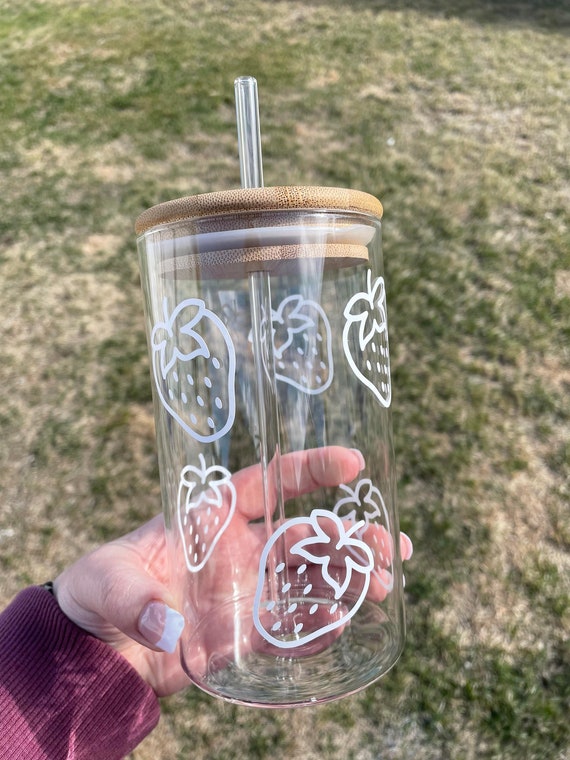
(552, 15)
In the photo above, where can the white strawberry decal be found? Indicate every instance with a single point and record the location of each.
(364, 506)
(337, 562)
(193, 363)
(206, 504)
(302, 345)
(365, 339)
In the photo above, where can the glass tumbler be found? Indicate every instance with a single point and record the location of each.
(266, 319)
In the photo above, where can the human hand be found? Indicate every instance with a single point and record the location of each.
(119, 591)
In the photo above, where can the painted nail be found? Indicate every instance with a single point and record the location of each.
(161, 626)
(360, 459)
(407, 546)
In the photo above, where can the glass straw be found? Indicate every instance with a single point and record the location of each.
(251, 170)
(249, 132)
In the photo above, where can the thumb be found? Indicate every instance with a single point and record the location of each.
(141, 608)
(110, 594)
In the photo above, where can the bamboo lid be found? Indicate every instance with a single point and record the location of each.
(225, 234)
(257, 199)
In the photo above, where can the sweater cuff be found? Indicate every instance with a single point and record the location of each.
(64, 693)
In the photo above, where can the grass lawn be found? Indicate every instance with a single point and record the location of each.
(456, 115)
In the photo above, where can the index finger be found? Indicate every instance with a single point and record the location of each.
(301, 473)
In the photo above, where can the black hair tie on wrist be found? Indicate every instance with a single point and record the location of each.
(49, 587)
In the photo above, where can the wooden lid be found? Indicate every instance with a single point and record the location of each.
(258, 199)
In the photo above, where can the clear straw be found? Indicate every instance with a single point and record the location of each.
(249, 132)
(251, 170)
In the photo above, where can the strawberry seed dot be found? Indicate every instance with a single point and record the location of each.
(269, 606)
(307, 589)
(300, 351)
(313, 609)
(207, 382)
(218, 402)
(333, 609)
(280, 567)
(286, 588)
(301, 569)
(170, 394)
(193, 419)
(276, 626)
(292, 607)
(190, 379)
(216, 363)
(184, 398)
(368, 365)
(211, 423)
(200, 400)
(175, 376)
(298, 628)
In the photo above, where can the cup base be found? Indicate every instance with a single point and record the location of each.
(341, 664)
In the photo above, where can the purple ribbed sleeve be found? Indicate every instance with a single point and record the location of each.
(63, 693)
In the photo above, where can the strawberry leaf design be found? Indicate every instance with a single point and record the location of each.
(290, 316)
(211, 487)
(363, 506)
(363, 502)
(368, 310)
(334, 536)
(178, 342)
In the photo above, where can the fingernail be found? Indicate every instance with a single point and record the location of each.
(161, 626)
(360, 459)
(408, 547)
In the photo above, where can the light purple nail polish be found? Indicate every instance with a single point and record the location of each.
(361, 459)
(161, 626)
